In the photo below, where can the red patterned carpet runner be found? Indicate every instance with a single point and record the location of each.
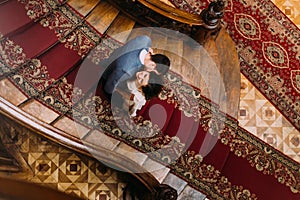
(268, 46)
(197, 142)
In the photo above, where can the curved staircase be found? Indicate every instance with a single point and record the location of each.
(42, 60)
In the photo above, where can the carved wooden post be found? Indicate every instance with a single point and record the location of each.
(165, 192)
(158, 192)
(211, 17)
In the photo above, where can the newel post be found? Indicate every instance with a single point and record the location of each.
(165, 192)
(211, 17)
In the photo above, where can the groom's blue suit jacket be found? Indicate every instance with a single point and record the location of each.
(124, 62)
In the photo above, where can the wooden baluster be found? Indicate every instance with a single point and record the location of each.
(211, 17)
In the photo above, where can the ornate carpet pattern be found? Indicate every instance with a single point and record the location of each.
(269, 50)
(238, 166)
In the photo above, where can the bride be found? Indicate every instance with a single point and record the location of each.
(136, 91)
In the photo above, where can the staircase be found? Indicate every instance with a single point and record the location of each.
(196, 65)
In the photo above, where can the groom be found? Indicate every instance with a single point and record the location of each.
(126, 61)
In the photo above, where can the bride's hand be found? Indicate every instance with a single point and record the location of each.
(150, 50)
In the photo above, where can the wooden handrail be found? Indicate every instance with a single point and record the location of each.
(108, 157)
(156, 13)
(173, 13)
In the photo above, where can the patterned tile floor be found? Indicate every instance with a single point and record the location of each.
(291, 8)
(57, 167)
(259, 116)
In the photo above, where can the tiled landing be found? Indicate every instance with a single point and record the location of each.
(291, 8)
(57, 167)
(261, 118)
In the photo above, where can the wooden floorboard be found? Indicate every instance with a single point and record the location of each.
(195, 66)
(159, 41)
(83, 6)
(121, 28)
(174, 50)
(139, 30)
(102, 16)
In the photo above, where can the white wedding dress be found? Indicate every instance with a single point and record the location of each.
(139, 99)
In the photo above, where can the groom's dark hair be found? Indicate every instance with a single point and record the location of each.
(162, 63)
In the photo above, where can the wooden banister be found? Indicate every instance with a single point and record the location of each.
(173, 13)
(156, 13)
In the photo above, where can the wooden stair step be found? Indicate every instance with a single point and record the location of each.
(38, 110)
(99, 139)
(190, 193)
(139, 30)
(121, 28)
(11, 93)
(70, 127)
(102, 16)
(156, 169)
(131, 153)
(174, 50)
(191, 64)
(184, 191)
(159, 41)
(204, 71)
(83, 6)
(175, 182)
